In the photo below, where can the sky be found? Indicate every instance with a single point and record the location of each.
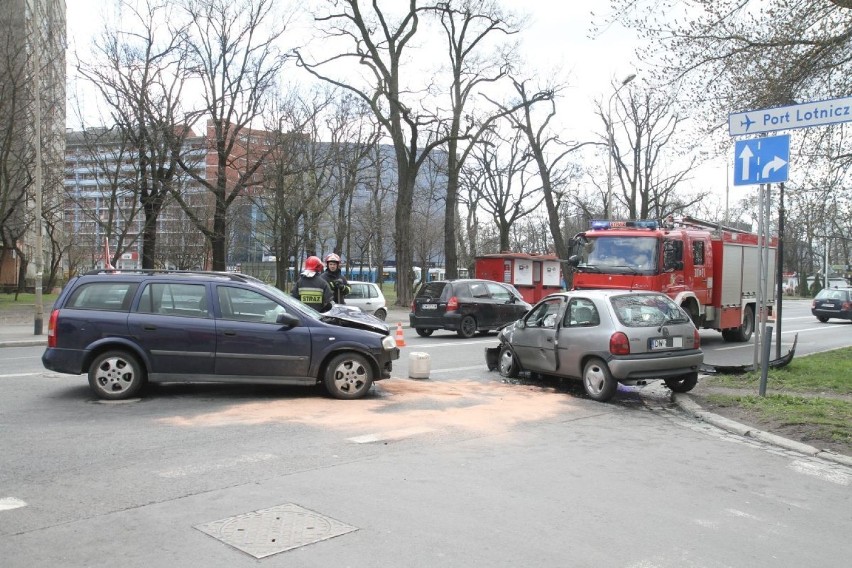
(556, 41)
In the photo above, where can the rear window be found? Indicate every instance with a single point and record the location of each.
(432, 290)
(110, 296)
(647, 310)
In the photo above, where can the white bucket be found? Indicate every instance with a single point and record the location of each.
(418, 365)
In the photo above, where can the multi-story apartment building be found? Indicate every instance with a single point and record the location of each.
(32, 115)
(102, 208)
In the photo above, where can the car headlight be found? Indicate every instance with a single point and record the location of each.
(388, 343)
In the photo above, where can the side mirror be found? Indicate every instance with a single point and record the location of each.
(574, 260)
(288, 320)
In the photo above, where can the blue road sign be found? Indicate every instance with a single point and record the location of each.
(761, 160)
(804, 115)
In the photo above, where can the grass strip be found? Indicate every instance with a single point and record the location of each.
(824, 417)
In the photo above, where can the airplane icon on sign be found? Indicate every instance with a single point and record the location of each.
(747, 123)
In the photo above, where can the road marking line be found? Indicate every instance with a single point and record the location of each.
(21, 375)
(453, 370)
(824, 328)
(205, 468)
(8, 503)
(390, 435)
(454, 343)
(824, 472)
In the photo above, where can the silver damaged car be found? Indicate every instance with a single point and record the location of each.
(604, 337)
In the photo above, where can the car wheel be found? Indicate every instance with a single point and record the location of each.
(467, 327)
(823, 319)
(506, 363)
(683, 384)
(348, 376)
(598, 381)
(116, 375)
(423, 332)
(381, 313)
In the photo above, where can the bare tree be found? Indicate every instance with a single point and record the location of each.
(16, 155)
(468, 27)
(141, 75)
(650, 188)
(507, 190)
(378, 45)
(742, 54)
(232, 49)
(549, 154)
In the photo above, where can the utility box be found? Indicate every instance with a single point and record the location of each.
(535, 276)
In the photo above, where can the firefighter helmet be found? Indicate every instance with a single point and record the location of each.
(313, 263)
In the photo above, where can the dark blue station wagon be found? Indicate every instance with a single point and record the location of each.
(127, 328)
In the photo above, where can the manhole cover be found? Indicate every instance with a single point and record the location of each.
(270, 531)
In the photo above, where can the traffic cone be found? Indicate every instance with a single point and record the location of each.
(400, 339)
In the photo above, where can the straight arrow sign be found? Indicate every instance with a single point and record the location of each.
(762, 160)
(745, 156)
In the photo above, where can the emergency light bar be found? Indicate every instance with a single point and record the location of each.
(602, 224)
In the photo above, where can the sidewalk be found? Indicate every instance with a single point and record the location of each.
(21, 335)
(18, 334)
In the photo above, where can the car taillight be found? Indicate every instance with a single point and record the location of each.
(847, 306)
(452, 304)
(619, 344)
(51, 328)
(412, 306)
(813, 304)
(696, 339)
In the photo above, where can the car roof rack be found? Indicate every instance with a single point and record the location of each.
(235, 276)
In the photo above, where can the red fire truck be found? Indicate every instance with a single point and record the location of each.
(711, 272)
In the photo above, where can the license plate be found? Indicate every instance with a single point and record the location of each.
(665, 343)
(828, 305)
(428, 306)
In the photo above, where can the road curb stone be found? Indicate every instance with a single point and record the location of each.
(686, 403)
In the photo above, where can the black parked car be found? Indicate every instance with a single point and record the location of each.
(127, 328)
(465, 306)
(833, 303)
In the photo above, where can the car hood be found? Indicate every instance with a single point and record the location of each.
(505, 333)
(349, 316)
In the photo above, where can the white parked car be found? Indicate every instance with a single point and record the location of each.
(368, 297)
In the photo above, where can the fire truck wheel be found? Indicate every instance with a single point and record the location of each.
(598, 381)
(743, 333)
(683, 384)
(507, 364)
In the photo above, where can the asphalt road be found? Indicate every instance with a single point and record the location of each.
(461, 469)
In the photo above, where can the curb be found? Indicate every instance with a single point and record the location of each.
(686, 403)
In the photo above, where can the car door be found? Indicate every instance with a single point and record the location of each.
(485, 307)
(505, 308)
(174, 325)
(363, 296)
(535, 341)
(248, 341)
(580, 334)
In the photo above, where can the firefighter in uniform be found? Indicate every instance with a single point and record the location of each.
(311, 288)
(336, 281)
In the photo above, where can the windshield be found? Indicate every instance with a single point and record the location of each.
(290, 301)
(620, 254)
(647, 310)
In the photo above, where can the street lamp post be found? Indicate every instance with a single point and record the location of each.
(611, 145)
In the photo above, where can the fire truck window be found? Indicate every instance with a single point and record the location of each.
(698, 253)
(673, 255)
